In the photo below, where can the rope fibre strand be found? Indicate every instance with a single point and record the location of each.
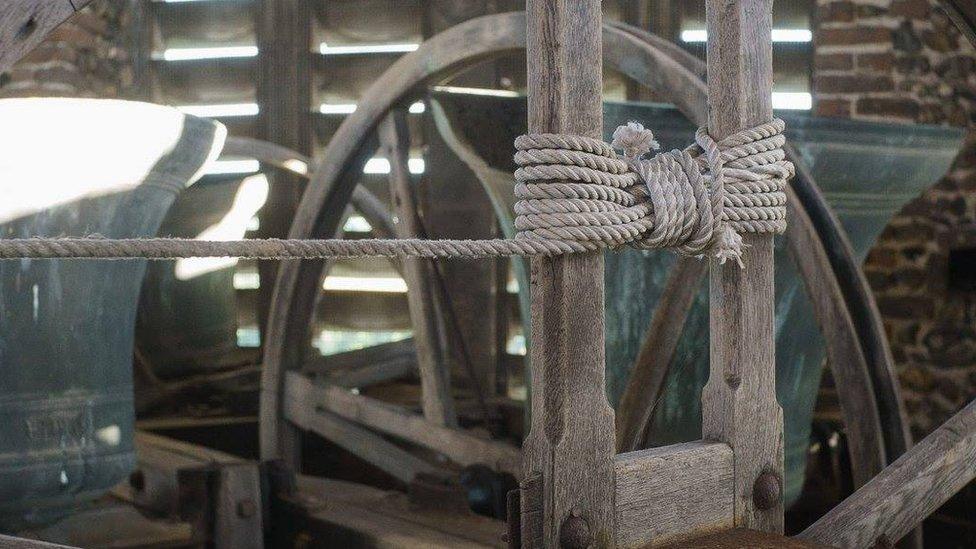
(575, 194)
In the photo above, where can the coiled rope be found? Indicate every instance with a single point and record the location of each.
(575, 194)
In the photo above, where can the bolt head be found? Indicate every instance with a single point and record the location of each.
(137, 480)
(246, 508)
(767, 491)
(574, 533)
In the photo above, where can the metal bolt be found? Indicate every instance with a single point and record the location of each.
(882, 543)
(137, 480)
(246, 508)
(574, 533)
(767, 491)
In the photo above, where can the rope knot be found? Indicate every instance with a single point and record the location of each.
(576, 194)
(634, 140)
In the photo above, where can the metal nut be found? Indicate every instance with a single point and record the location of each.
(246, 508)
(767, 491)
(137, 480)
(574, 533)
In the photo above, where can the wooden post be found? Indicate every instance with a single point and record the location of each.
(284, 92)
(568, 487)
(739, 401)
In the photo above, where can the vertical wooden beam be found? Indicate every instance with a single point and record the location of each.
(638, 14)
(739, 401)
(459, 209)
(138, 39)
(568, 492)
(284, 96)
(437, 402)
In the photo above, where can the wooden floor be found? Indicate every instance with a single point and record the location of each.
(739, 538)
(353, 515)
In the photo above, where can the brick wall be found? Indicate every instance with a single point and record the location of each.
(84, 57)
(904, 61)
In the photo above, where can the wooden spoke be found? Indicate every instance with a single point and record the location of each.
(437, 404)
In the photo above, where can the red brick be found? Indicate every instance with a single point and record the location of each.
(882, 62)
(867, 11)
(905, 306)
(852, 36)
(836, 12)
(940, 41)
(74, 34)
(914, 9)
(833, 62)
(882, 258)
(834, 108)
(852, 83)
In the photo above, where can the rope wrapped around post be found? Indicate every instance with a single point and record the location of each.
(575, 195)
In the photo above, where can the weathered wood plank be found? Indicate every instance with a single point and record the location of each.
(739, 401)
(25, 23)
(907, 491)
(460, 446)
(668, 494)
(10, 542)
(106, 524)
(740, 537)
(571, 438)
(353, 515)
(363, 443)
(437, 402)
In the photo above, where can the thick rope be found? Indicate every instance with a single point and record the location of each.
(575, 194)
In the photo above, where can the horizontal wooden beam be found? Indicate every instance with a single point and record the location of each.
(200, 486)
(10, 542)
(333, 513)
(364, 367)
(308, 414)
(668, 494)
(905, 492)
(460, 446)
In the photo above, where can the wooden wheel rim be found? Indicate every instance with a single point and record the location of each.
(647, 59)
